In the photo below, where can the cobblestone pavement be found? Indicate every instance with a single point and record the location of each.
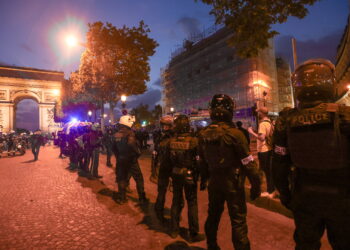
(46, 206)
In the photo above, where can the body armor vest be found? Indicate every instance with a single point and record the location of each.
(315, 139)
(219, 142)
(183, 151)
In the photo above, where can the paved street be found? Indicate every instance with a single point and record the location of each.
(46, 206)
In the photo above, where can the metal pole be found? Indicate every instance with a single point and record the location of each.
(295, 58)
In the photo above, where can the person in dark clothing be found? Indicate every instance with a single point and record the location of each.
(225, 161)
(127, 151)
(183, 154)
(73, 148)
(37, 141)
(94, 145)
(311, 159)
(61, 136)
(163, 169)
(107, 142)
(244, 131)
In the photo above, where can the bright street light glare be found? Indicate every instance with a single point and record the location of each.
(123, 98)
(71, 41)
(56, 92)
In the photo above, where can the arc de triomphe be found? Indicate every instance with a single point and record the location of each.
(18, 83)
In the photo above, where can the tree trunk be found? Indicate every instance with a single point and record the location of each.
(112, 105)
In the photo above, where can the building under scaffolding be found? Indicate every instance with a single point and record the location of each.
(208, 66)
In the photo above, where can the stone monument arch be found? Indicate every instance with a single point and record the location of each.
(18, 83)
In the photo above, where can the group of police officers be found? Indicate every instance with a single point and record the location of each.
(310, 164)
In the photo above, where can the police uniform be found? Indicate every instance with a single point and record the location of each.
(164, 173)
(225, 161)
(183, 157)
(311, 165)
(127, 152)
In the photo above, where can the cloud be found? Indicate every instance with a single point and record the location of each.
(189, 25)
(26, 47)
(325, 47)
(151, 97)
(156, 83)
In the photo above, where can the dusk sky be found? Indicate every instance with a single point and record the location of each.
(32, 31)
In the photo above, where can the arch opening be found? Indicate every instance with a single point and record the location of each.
(26, 114)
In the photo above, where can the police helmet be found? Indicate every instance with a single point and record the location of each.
(182, 124)
(221, 108)
(166, 120)
(314, 80)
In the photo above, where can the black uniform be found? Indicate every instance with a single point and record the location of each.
(127, 152)
(225, 161)
(164, 172)
(37, 140)
(315, 141)
(107, 142)
(183, 153)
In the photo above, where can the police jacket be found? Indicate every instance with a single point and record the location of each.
(163, 150)
(225, 158)
(316, 142)
(125, 145)
(183, 150)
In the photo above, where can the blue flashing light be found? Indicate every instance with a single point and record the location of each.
(74, 119)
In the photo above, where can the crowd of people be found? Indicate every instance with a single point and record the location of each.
(304, 156)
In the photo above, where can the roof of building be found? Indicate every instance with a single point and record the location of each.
(30, 73)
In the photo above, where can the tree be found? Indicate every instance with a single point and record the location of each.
(142, 113)
(251, 20)
(115, 62)
(157, 112)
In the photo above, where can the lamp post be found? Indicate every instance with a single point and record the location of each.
(172, 111)
(123, 99)
(89, 114)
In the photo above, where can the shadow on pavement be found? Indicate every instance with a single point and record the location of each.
(30, 161)
(181, 245)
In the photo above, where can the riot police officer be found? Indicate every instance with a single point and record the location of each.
(127, 152)
(312, 147)
(183, 158)
(225, 161)
(162, 161)
(107, 142)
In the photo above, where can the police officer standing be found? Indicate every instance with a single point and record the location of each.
(127, 152)
(225, 161)
(312, 147)
(162, 160)
(107, 142)
(183, 158)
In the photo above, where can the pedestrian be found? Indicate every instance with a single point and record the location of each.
(37, 140)
(127, 152)
(183, 154)
(107, 142)
(162, 167)
(244, 131)
(264, 148)
(225, 161)
(94, 146)
(311, 163)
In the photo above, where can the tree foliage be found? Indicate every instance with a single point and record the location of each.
(142, 113)
(115, 62)
(251, 20)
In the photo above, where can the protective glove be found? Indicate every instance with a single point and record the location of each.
(203, 185)
(255, 193)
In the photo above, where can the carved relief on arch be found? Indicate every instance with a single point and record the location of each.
(18, 95)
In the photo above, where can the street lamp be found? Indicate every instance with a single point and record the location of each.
(71, 41)
(172, 111)
(123, 99)
(89, 114)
